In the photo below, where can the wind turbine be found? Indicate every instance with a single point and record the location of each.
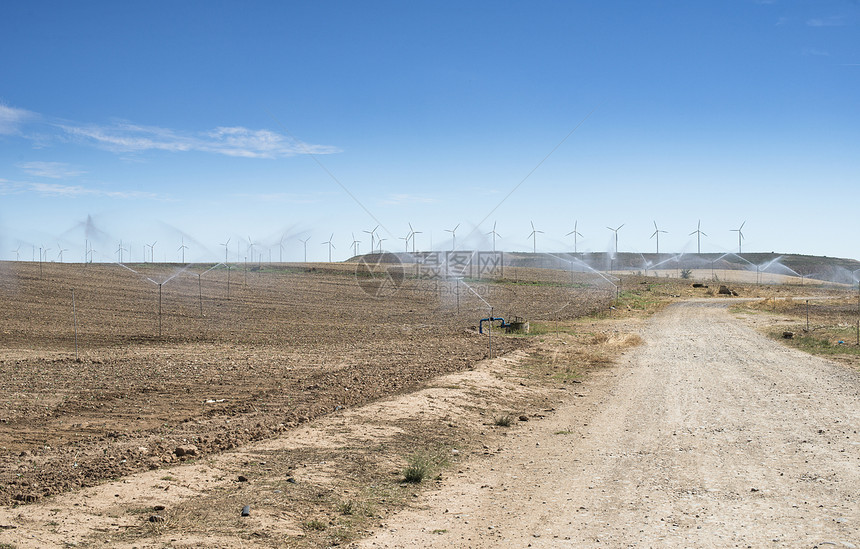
(406, 240)
(305, 242)
(17, 253)
(372, 237)
(657, 234)
(281, 248)
(414, 232)
(182, 248)
(740, 235)
(698, 232)
(454, 235)
(225, 244)
(251, 249)
(354, 245)
(380, 240)
(152, 251)
(533, 236)
(119, 251)
(494, 234)
(575, 234)
(60, 254)
(616, 236)
(330, 246)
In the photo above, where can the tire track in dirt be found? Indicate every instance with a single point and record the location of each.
(709, 435)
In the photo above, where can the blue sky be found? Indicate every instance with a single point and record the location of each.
(281, 121)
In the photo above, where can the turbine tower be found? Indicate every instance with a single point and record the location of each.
(495, 234)
(414, 232)
(354, 245)
(372, 233)
(657, 234)
(575, 234)
(330, 246)
(305, 243)
(698, 232)
(225, 244)
(454, 236)
(182, 248)
(533, 236)
(616, 236)
(740, 235)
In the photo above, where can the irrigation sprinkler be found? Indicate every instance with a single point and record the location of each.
(228, 282)
(807, 315)
(75, 316)
(159, 309)
(490, 336)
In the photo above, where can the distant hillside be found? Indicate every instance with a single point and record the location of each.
(831, 269)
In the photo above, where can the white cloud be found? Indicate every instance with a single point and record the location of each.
(125, 137)
(11, 119)
(54, 170)
(71, 191)
(815, 52)
(229, 141)
(835, 21)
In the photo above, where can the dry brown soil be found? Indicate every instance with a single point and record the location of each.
(316, 394)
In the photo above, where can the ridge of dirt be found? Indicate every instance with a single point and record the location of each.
(299, 478)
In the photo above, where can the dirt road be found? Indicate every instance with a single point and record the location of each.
(708, 435)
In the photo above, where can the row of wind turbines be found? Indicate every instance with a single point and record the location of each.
(376, 243)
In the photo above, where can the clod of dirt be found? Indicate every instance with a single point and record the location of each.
(788, 335)
(189, 450)
(158, 508)
(242, 478)
(524, 418)
(246, 511)
(156, 518)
